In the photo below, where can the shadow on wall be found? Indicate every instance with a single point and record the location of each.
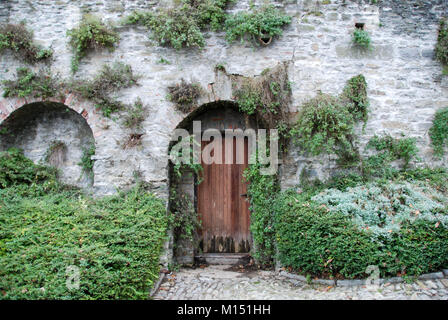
(52, 134)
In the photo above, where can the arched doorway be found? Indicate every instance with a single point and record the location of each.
(218, 193)
(52, 134)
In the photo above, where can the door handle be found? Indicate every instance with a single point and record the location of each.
(243, 195)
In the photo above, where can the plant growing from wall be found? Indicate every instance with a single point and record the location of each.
(361, 39)
(388, 149)
(86, 161)
(326, 124)
(182, 25)
(109, 80)
(260, 24)
(91, 34)
(135, 115)
(439, 131)
(267, 97)
(442, 43)
(184, 95)
(19, 39)
(39, 84)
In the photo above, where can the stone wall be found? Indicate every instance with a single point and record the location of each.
(406, 85)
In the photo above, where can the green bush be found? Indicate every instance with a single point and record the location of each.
(19, 39)
(442, 42)
(388, 149)
(439, 131)
(28, 83)
(45, 228)
(91, 34)
(182, 25)
(266, 22)
(361, 38)
(313, 239)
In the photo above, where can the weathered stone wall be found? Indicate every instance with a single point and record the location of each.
(406, 86)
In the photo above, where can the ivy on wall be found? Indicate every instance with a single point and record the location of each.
(442, 43)
(439, 132)
(90, 34)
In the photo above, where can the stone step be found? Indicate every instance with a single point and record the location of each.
(222, 258)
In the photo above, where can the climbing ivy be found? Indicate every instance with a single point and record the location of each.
(442, 42)
(91, 34)
(19, 39)
(86, 161)
(361, 38)
(439, 131)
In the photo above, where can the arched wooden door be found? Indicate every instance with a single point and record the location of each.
(222, 205)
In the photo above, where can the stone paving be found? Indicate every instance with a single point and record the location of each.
(216, 283)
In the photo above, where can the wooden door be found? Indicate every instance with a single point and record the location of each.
(222, 205)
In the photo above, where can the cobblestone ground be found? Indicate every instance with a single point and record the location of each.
(216, 283)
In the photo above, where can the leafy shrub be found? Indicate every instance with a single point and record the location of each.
(355, 92)
(184, 95)
(439, 131)
(15, 169)
(315, 240)
(109, 80)
(325, 125)
(442, 42)
(19, 39)
(390, 149)
(182, 25)
(383, 208)
(28, 83)
(361, 38)
(266, 22)
(115, 242)
(91, 34)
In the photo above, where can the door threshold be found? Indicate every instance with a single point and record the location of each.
(221, 258)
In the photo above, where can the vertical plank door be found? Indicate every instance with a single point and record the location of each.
(222, 205)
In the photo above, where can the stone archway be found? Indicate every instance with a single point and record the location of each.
(226, 231)
(53, 134)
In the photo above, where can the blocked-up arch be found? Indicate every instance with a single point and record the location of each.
(49, 132)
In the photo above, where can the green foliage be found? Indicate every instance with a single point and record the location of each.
(185, 220)
(324, 240)
(261, 193)
(87, 162)
(115, 242)
(135, 115)
(182, 25)
(439, 131)
(109, 80)
(19, 40)
(184, 95)
(326, 123)
(248, 99)
(388, 149)
(91, 34)
(355, 92)
(16, 169)
(361, 38)
(266, 22)
(181, 165)
(442, 42)
(30, 84)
